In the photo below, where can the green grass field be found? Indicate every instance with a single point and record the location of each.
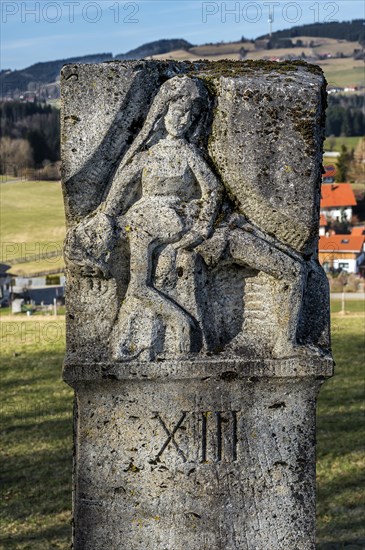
(33, 221)
(36, 429)
(343, 72)
(36, 425)
(340, 437)
(349, 142)
(351, 306)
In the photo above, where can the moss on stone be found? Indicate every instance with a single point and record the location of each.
(305, 127)
(211, 71)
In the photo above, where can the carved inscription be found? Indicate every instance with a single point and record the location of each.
(213, 436)
(170, 436)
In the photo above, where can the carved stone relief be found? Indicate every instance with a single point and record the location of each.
(192, 274)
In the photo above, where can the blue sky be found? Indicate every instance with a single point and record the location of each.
(33, 31)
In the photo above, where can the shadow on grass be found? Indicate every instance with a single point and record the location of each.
(340, 437)
(36, 482)
(39, 538)
(352, 544)
(36, 468)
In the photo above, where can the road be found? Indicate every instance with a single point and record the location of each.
(348, 296)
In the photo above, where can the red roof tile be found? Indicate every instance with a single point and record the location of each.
(329, 171)
(341, 243)
(357, 231)
(323, 221)
(337, 195)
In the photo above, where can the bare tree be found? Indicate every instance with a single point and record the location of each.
(15, 156)
(357, 166)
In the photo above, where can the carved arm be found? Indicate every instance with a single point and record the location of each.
(122, 191)
(211, 194)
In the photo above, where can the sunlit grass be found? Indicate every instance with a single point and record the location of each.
(340, 438)
(36, 437)
(33, 220)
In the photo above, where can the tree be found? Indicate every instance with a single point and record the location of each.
(359, 154)
(343, 165)
(15, 156)
(357, 166)
(39, 145)
(331, 141)
(37, 123)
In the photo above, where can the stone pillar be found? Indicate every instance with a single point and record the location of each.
(197, 311)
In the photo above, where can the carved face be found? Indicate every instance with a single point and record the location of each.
(178, 118)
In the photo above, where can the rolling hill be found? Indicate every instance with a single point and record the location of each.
(337, 47)
(44, 77)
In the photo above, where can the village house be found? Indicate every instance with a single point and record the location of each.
(342, 253)
(337, 201)
(39, 289)
(5, 285)
(329, 174)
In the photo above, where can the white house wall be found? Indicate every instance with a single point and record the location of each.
(352, 265)
(26, 282)
(335, 213)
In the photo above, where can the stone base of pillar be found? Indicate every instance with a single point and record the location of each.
(196, 455)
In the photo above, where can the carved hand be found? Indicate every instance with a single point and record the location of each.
(88, 245)
(194, 237)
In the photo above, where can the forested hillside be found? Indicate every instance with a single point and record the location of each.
(353, 31)
(155, 48)
(39, 76)
(30, 134)
(345, 115)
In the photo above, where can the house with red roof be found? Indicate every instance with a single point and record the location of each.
(329, 174)
(358, 231)
(342, 253)
(337, 200)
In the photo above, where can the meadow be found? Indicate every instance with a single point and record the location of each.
(335, 144)
(343, 72)
(23, 204)
(36, 426)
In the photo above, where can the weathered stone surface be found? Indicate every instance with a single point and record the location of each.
(197, 312)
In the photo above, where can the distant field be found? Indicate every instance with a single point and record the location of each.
(351, 306)
(317, 40)
(32, 221)
(221, 49)
(260, 54)
(344, 72)
(344, 47)
(340, 72)
(337, 142)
